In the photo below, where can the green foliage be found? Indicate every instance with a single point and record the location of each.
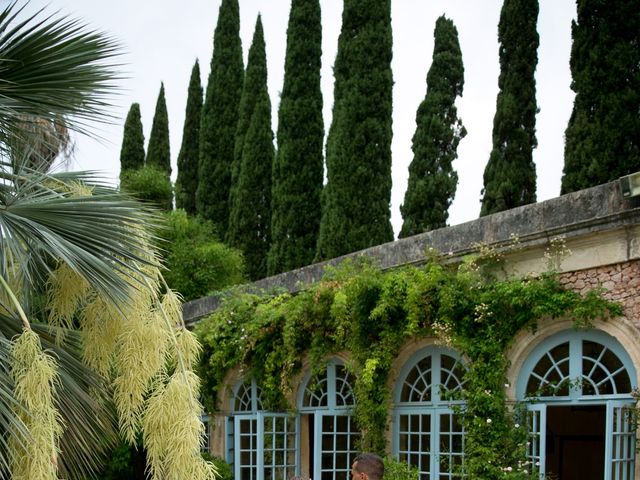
(395, 470)
(372, 314)
(355, 201)
(223, 469)
(603, 135)
(132, 151)
(220, 118)
(298, 165)
(187, 180)
(126, 463)
(158, 154)
(197, 263)
(432, 180)
(148, 184)
(250, 198)
(510, 174)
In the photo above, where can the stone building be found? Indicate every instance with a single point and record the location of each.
(583, 429)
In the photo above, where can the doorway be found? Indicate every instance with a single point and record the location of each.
(575, 442)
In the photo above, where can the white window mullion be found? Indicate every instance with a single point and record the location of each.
(620, 441)
(435, 447)
(260, 446)
(537, 442)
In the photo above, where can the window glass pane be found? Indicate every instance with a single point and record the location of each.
(344, 389)
(550, 376)
(602, 371)
(243, 398)
(451, 375)
(417, 384)
(315, 394)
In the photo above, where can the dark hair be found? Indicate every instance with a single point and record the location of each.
(371, 464)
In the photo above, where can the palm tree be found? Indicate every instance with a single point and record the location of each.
(86, 321)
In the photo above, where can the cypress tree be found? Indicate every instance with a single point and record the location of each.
(187, 179)
(219, 118)
(298, 166)
(158, 154)
(254, 78)
(432, 180)
(250, 217)
(603, 135)
(132, 151)
(355, 203)
(510, 174)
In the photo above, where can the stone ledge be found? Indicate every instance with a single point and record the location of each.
(586, 212)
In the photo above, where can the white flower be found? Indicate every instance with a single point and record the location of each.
(488, 420)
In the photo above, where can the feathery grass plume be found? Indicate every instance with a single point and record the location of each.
(100, 327)
(35, 375)
(140, 356)
(187, 348)
(172, 306)
(66, 290)
(173, 431)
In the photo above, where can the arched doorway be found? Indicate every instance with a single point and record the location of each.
(578, 387)
(261, 445)
(428, 432)
(329, 435)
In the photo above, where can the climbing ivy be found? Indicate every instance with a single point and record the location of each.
(371, 314)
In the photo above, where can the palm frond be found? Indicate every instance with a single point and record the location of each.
(42, 221)
(52, 67)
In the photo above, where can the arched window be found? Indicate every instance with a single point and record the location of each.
(428, 432)
(262, 444)
(326, 404)
(578, 385)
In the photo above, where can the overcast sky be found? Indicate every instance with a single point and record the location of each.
(162, 39)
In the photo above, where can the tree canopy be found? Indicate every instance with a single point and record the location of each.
(158, 151)
(298, 165)
(510, 174)
(432, 180)
(219, 118)
(355, 200)
(132, 151)
(603, 135)
(250, 198)
(187, 179)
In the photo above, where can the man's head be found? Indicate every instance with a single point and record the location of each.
(367, 466)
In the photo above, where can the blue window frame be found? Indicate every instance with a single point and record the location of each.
(262, 445)
(574, 370)
(326, 405)
(428, 431)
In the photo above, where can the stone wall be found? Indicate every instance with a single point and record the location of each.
(621, 282)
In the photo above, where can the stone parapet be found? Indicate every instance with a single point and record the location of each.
(587, 220)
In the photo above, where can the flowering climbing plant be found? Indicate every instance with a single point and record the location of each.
(371, 314)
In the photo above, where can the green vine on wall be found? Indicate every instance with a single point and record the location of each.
(371, 314)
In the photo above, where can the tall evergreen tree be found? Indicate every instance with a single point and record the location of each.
(298, 169)
(250, 203)
(432, 180)
(355, 203)
(187, 180)
(158, 154)
(603, 135)
(132, 151)
(219, 118)
(510, 174)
